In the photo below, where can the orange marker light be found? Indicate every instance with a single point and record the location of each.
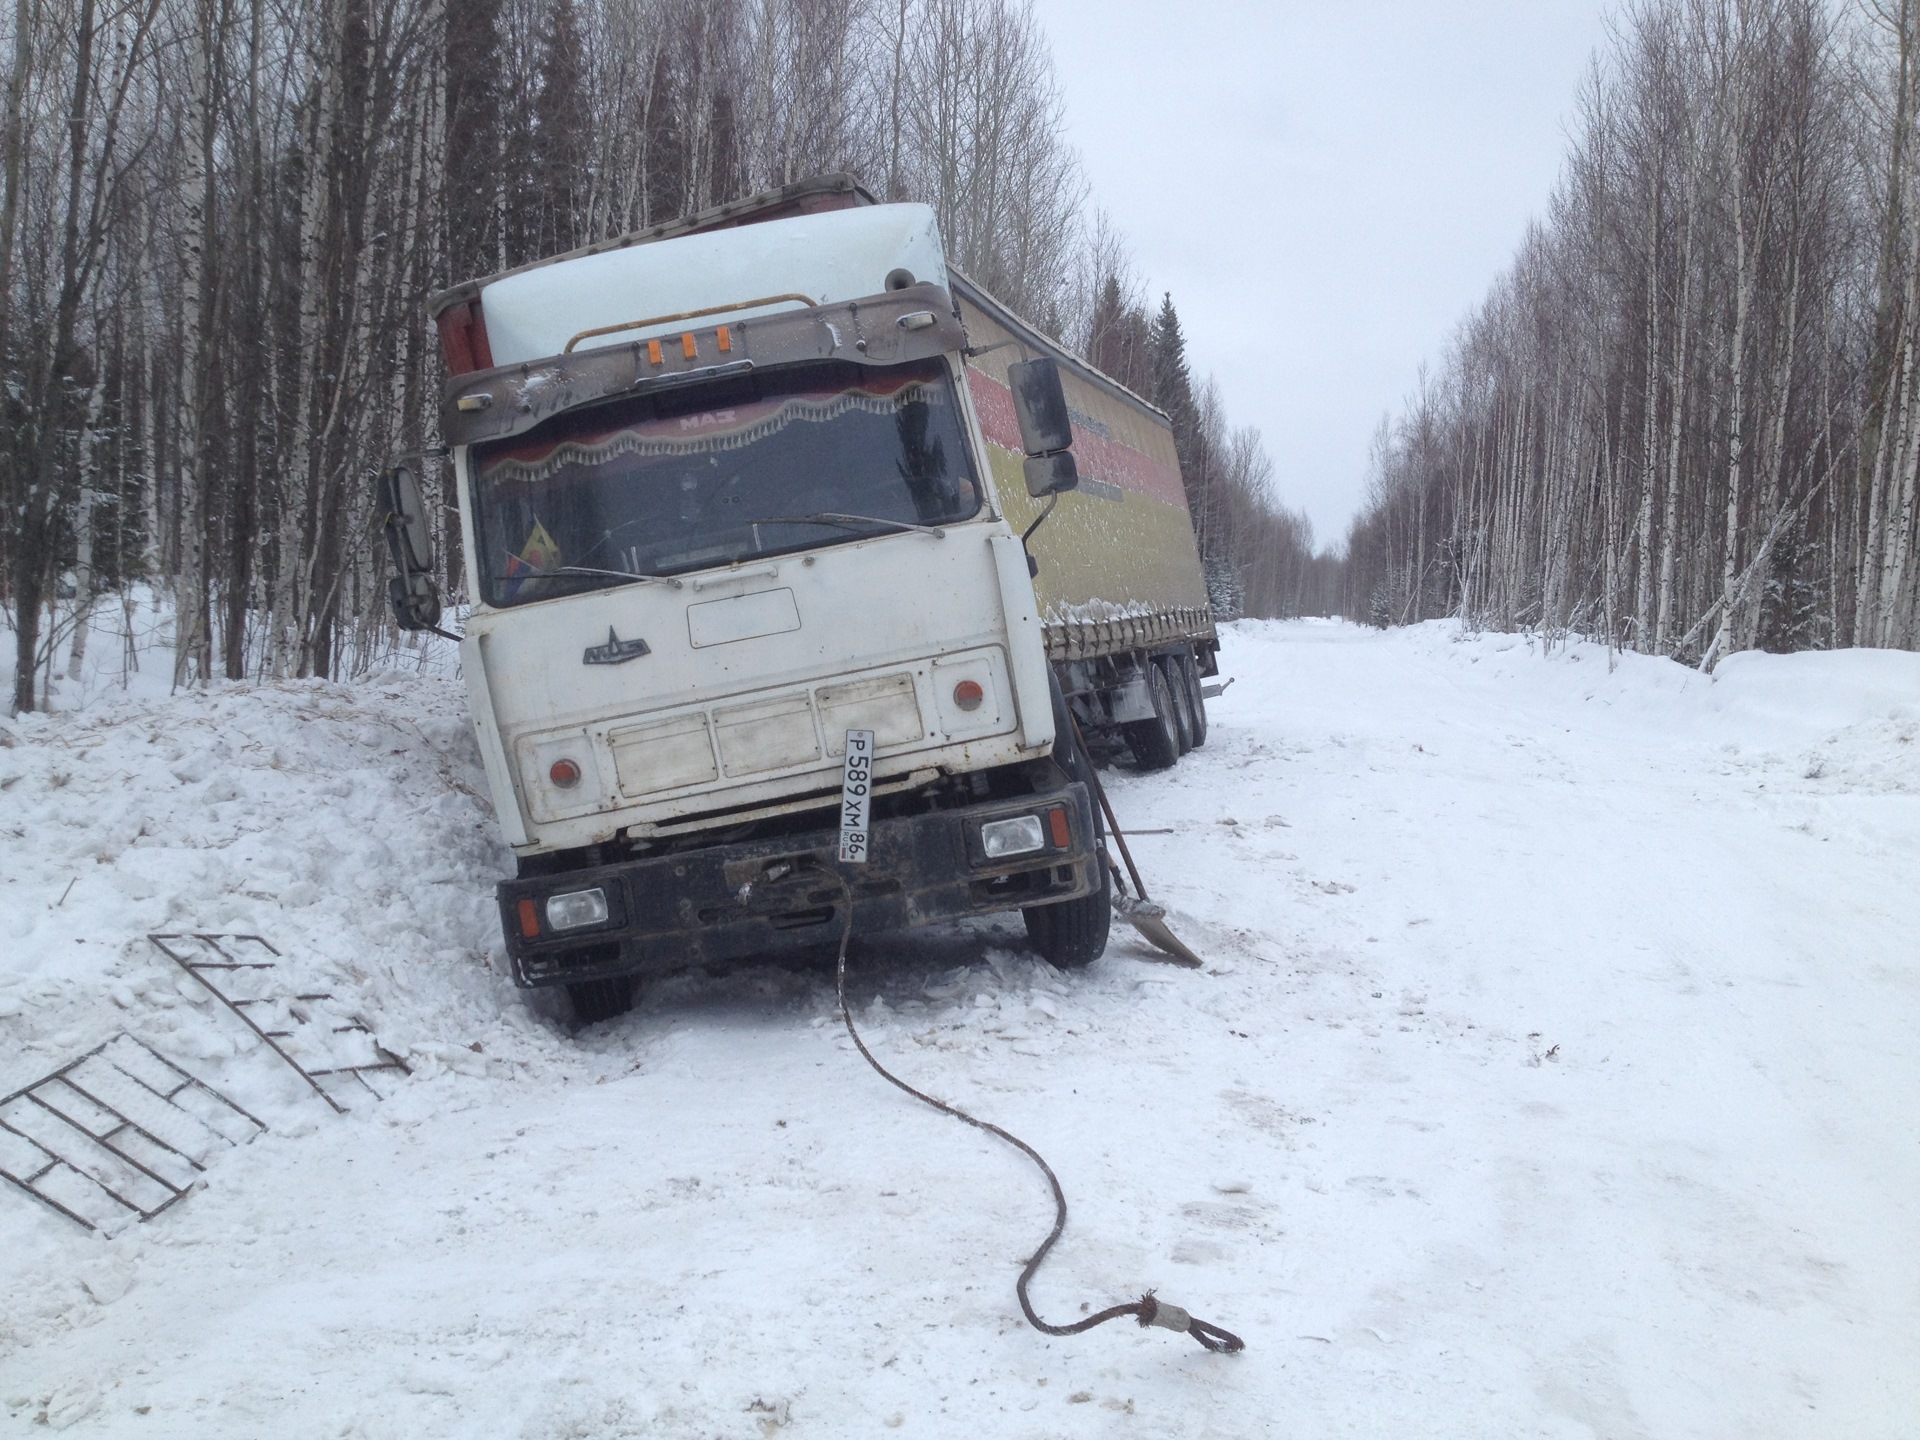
(1060, 828)
(653, 351)
(689, 347)
(529, 919)
(726, 339)
(968, 694)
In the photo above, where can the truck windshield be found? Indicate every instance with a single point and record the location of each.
(792, 459)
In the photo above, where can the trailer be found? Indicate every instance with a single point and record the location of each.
(765, 501)
(1122, 597)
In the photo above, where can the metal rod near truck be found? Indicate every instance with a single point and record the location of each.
(737, 486)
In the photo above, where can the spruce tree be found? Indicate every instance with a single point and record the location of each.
(724, 182)
(1118, 339)
(471, 175)
(1791, 615)
(1103, 332)
(1172, 383)
(562, 126)
(665, 188)
(1173, 393)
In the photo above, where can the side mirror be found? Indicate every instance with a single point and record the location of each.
(1051, 474)
(411, 591)
(1041, 404)
(408, 539)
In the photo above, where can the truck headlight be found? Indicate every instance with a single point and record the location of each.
(1000, 838)
(576, 908)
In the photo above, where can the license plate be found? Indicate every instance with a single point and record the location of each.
(856, 797)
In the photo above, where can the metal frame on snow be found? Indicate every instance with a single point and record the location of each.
(228, 962)
(69, 1122)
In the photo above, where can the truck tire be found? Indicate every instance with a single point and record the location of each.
(1190, 674)
(1073, 933)
(1155, 743)
(597, 1000)
(1182, 705)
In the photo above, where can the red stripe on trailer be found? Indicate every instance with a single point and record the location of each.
(1097, 457)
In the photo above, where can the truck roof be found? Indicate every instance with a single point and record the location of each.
(837, 191)
(813, 196)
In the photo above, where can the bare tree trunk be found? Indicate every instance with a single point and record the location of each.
(1890, 349)
(193, 643)
(1874, 598)
(83, 571)
(1670, 505)
(300, 469)
(13, 142)
(1746, 263)
(1888, 629)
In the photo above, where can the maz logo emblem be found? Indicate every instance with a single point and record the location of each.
(615, 652)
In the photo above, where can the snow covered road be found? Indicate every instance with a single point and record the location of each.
(1554, 1073)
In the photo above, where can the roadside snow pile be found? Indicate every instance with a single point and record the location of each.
(1826, 689)
(1857, 712)
(347, 825)
(342, 824)
(1848, 718)
(1541, 1081)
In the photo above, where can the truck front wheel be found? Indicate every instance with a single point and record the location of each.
(597, 1000)
(1073, 932)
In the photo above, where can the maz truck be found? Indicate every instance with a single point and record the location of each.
(733, 487)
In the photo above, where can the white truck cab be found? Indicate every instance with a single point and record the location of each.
(725, 498)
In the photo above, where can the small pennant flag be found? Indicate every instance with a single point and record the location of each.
(540, 553)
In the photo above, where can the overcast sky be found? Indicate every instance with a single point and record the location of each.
(1326, 186)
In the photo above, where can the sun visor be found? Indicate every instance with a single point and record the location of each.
(890, 328)
(595, 301)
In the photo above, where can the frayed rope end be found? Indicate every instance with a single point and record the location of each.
(1155, 1311)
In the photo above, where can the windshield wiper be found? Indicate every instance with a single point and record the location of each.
(541, 571)
(618, 574)
(850, 522)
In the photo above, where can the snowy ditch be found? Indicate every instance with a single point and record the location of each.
(1550, 1074)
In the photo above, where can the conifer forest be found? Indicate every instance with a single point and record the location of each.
(1687, 420)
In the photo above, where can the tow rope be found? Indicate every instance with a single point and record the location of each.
(1149, 1309)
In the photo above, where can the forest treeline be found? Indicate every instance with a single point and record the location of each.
(219, 220)
(1687, 420)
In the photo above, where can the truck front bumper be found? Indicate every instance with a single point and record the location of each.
(662, 913)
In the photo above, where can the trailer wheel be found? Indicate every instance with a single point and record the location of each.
(1073, 933)
(1182, 704)
(1155, 743)
(597, 1000)
(1189, 669)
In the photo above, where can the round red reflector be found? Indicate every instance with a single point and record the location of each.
(565, 774)
(968, 694)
